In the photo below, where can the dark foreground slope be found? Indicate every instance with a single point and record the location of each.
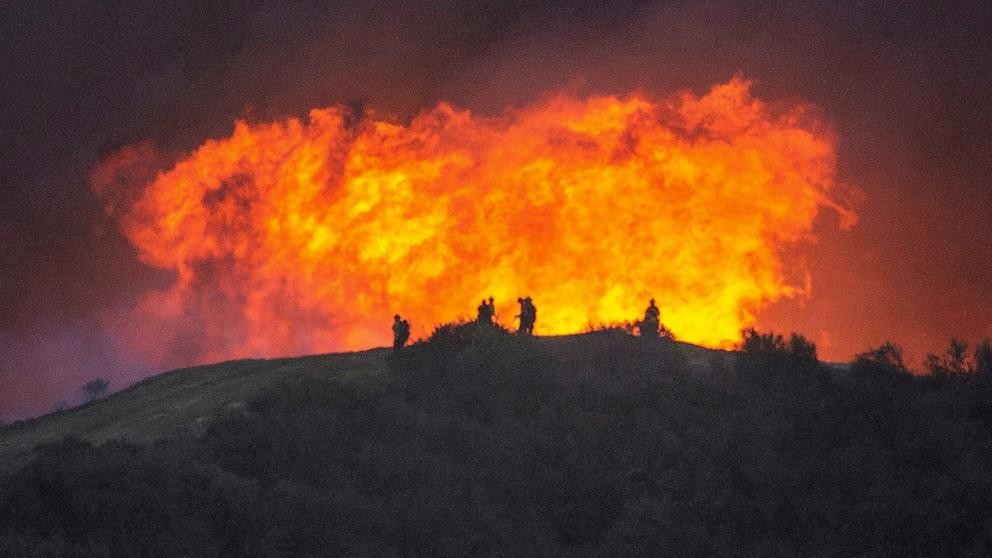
(488, 444)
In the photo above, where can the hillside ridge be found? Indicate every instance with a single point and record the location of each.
(178, 402)
(182, 402)
(478, 442)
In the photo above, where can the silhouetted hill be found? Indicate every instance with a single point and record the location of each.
(482, 443)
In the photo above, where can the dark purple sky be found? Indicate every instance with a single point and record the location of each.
(907, 87)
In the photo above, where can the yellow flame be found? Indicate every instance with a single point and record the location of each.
(308, 236)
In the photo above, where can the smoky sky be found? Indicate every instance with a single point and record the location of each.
(906, 87)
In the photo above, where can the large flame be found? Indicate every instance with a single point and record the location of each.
(302, 236)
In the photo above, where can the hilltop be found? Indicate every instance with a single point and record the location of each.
(181, 403)
(481, 443)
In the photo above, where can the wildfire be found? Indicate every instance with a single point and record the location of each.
(303, 236)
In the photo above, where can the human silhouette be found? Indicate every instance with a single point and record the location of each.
(486, 312)
(652, 319)
(522, 316)
(401, 331)
(528, 315)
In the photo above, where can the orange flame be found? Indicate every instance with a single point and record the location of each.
(303, 236)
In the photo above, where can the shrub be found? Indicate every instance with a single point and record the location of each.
(462, 333)
(768, 359)
(953, 363)
(983, 359)
(121, 499)
(887, 359)
(802, 348)
(798, 346)
(95, 389)
(627, 327)
(755, 342)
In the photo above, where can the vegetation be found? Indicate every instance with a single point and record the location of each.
(983, 360)
(958, 363)
(477, 442)
(629, 327)
(755, 342)
(95, 389)
(886, 358)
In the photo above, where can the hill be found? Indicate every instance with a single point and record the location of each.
(181, 403)
(481, 443)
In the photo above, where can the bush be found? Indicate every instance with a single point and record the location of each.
(121, 499)
(802, 348)
(886, 359)
(768, 358)
(798, 346)
(461, 333)
(626, 328)
(983, 359)
(754, 342)
(954, 363)
(94, 389)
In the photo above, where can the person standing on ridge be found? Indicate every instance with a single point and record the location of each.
(486, 312)
(531, 315)
(528, 315)
(483, 308)
(652, 320)
(401, 332)
(523, 315)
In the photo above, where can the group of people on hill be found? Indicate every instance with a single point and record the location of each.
(527, 315)
(649, 327)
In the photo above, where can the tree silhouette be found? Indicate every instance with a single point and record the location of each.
(802, 348)
(954, 362)
(95, 389)
(983, 359)
(886, 357)
(754, 341)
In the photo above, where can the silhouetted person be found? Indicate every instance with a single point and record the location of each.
(522, 316)
(652, 311)
(401, 331)
(652, 319)
(528, 315)
(486, 312)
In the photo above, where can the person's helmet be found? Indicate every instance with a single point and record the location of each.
(519, 299)
(652, 301)
(396, 317)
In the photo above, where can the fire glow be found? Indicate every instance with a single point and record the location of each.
(305, 236)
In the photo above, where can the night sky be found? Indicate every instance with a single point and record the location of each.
(907, 88)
